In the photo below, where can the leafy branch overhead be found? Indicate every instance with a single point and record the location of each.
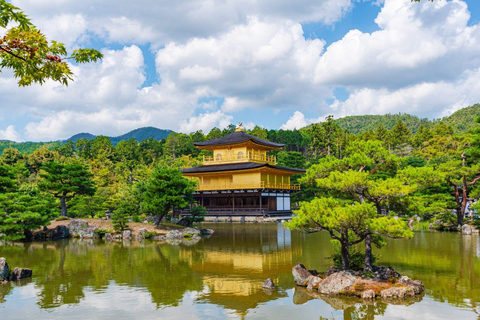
(33, 59)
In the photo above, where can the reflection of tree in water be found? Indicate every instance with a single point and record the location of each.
(447, 263)
(353, 307)
(64, 269)
(5, 290)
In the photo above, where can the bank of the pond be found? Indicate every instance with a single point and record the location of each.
(99, 228)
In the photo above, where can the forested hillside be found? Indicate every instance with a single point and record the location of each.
(460, 122)
(28, 147)
(359, 124)
(464, 119)
(410, 174)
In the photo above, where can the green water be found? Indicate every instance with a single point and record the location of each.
(220, 277)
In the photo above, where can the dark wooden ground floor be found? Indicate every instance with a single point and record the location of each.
(247, 203)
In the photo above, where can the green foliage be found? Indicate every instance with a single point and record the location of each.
(357, 258)
(150, 234)
(20, 211)
(62, 218)
(167, 189)
(102, 232)
(34, 59)
(198, 214)
(66, 180)
(448, 218)
(127, 205)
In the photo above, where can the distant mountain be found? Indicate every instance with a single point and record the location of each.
(138, 134)
(82, 135)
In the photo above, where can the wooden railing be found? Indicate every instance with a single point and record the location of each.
(249, 185)
(236, 158)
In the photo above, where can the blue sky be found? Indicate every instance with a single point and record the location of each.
(276, 63)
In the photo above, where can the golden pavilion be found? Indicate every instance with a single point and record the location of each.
(240, 178)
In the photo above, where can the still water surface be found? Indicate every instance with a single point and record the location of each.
(220, 277)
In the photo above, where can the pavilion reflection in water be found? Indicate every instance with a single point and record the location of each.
(235, 266)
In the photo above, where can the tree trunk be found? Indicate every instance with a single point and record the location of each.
(368, 255)
(130, 177)
(160, 217)
(460, 215)
(344, 250)
(63, 204)
(345, 257)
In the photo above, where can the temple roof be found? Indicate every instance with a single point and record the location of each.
(236, 138)
(238, 166)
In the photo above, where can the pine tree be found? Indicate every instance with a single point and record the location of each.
(166, 190)
(20, 211)
(65, 181)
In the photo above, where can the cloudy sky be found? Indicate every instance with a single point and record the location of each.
(195, 64)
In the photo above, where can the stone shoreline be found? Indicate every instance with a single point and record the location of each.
(78, 228)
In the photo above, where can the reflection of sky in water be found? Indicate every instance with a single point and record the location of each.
(220, 278)
(120, 302)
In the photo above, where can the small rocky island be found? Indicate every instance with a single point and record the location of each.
(384, 282)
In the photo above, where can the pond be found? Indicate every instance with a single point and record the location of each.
(220, 277)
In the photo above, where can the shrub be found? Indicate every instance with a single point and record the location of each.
(101, 232)
(136, 218)
(150, 234)
(447, 217)
(198, 214)
(119, 220)
(62, 218)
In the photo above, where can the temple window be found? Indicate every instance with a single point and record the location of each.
(219, 157)
(240, 155)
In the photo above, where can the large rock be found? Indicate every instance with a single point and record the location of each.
(127, 234)
(191, 231)
(174, 234)
(368, 294)
(88, 233)
(59, 232)
(40, 235)
(313, 282)
(331, 271)
(416, 285)
(385, 273)
(206, 232)
(108, 237)
(4, 269)
(76, 225)
(467, 229)
(268, 284)
(301, 275)
(20, 273)
(143, 231)
(185, 222)
(397, 292)
(337, 282)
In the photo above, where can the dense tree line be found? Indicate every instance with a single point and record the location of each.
(432, 173)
